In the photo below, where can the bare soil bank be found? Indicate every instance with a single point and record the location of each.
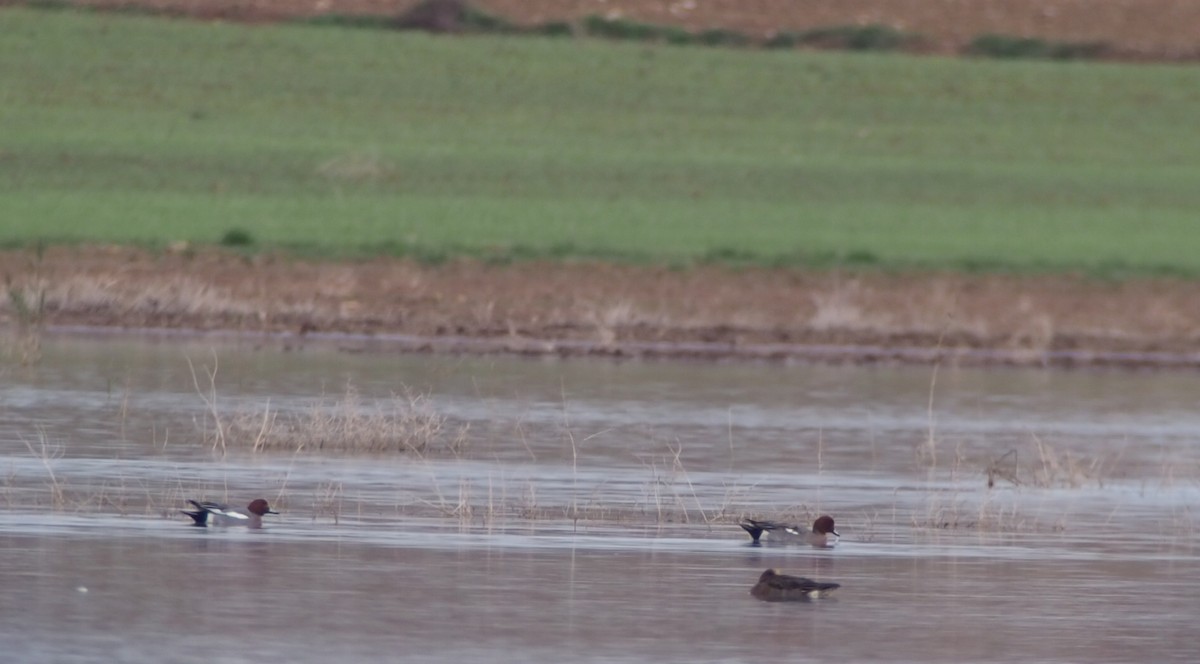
(618, 310)
(1136, 29)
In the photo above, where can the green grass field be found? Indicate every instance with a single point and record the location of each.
(343, 142)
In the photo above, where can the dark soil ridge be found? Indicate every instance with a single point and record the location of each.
(633, 350)
(1158, 30)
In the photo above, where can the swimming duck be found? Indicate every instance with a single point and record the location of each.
(775, 587)
(222, 515)
(822, 535)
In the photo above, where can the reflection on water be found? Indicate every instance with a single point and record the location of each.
(592, 517)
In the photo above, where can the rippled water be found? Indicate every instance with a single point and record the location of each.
(591, 516)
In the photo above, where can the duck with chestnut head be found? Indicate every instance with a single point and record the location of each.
(217, 514)
(822, 535)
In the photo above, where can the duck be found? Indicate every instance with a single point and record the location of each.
(822, 536)
(222, 515)
(775, 587)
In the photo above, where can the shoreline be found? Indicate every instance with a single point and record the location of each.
(593, 309)
(655, 351)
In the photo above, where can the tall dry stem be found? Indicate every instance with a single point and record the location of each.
(45, 455)
(210, 400)
(929, 447)
(574, 514)
(928, 450)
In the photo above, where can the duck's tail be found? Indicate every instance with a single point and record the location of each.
(200, 516)
(753, 527)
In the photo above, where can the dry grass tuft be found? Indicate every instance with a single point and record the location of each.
(406, 424)
(952, 512)
(47, 454)
(1050, 468)
(25, 307)
(1064, 469)
(666, 489)
(172, 296)
(837, 310)
(327, 501)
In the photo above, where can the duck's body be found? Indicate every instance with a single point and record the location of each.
(217, 514)
(821, 536)
(775, 587)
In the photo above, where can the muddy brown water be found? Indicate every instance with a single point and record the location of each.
(591, 515)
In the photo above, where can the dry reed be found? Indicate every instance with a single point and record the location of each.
(26, 308)
(407, 423)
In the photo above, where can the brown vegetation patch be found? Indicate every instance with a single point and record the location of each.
(580, 308)
(409, 424)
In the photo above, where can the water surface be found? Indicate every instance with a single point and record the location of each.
(591, 516)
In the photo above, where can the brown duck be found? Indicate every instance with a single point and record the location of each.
(775, 587)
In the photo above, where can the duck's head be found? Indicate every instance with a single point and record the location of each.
(824, 526)
(260, 507)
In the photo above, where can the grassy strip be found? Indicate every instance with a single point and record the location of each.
(353, 142)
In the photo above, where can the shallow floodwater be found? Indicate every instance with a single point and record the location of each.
(590, 512)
